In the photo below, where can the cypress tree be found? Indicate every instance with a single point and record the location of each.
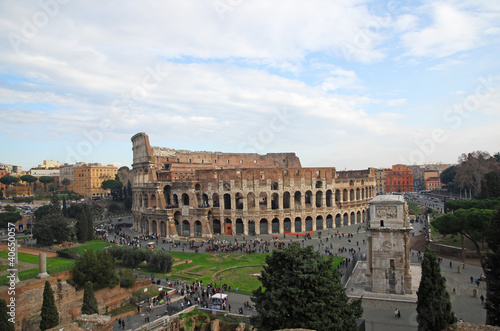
(90, 222)
(492, 272)
(4, 318)
(89, 305)
(82, 227)
(433, 302)
(65, 208)
(50, 316)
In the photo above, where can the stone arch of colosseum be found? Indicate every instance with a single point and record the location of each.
(200, 194)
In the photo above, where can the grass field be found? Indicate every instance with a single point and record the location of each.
(95, 245)
(54, 265)
(238, 270)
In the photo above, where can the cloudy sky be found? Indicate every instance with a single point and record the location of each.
(344, 83)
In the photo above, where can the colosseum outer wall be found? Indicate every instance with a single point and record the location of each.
(199, 194)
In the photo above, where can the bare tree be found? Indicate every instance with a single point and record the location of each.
(471, 169)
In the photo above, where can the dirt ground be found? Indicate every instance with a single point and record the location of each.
(32, 251)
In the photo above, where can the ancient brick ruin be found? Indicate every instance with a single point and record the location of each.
(199, 194)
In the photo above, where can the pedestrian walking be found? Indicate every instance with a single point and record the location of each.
(397, 313)
(471, 279)
(482, 299)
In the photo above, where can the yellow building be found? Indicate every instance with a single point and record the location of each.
(380, 180)
(87, 179)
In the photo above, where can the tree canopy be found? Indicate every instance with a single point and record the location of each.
(46, 180)
(448, 175)
(28, 178)
(66, 182)
(115, 187)
(471, 169)
(452, 205)
(96, 267)
(490, 185)
(300, 290)
(53, 226)
(8, 180)
(433, 301)
(479, 225)
(9, 217)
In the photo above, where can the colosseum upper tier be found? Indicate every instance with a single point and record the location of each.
(199, 194)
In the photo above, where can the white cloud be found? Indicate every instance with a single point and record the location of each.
(453, 29)
(396, 102)
(341, 79)
(222, 79)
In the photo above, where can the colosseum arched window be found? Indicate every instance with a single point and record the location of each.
(286, 200)
(319, 199)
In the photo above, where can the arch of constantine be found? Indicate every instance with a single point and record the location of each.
(199, 194)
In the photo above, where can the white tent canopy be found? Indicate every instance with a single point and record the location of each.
(220, 296)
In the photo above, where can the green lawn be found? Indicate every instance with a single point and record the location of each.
(23, 257)
(238, 270)
(95, 245)
(54, 265)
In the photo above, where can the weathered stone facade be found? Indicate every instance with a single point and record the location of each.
(198, 194)
(388, 246)
(29, 295)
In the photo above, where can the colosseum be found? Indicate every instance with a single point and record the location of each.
(199, 194)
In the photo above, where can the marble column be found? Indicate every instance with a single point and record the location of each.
(42, 266)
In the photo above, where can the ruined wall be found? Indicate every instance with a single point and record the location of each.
(202, 193)
(29, 299)
(224, 160)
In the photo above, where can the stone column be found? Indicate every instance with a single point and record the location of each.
(245, 227)
(42, 266)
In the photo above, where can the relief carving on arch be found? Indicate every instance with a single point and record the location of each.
(386, 212)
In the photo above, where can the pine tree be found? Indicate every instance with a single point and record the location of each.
(89, 305)
(433, 303)
(55, 205)
(4, 318)
(50, 316)
(302, 291)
